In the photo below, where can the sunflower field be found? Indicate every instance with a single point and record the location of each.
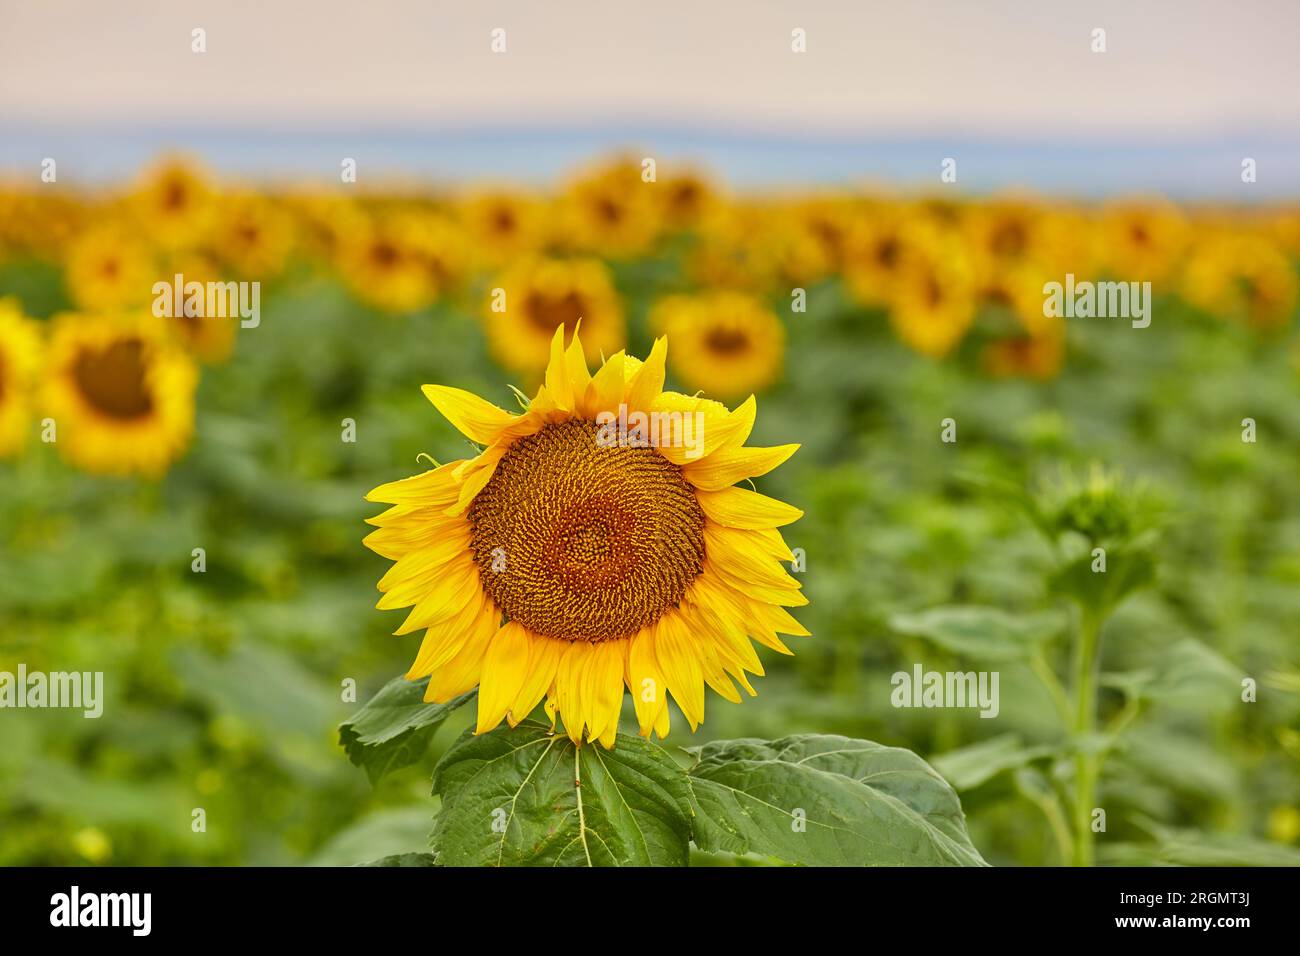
(1007, 584)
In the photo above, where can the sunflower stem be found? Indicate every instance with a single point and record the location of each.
(1084, 726)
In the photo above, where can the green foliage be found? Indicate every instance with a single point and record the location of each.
(393, 729)
(981, 633)
(529, 797)
(823, 800)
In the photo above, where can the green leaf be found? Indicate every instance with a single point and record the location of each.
(1101, 592)
(528, 797)
(1173, 847)
(983, 633)
(393, 729)
(968, 767)
(393, 831)
(823, 800)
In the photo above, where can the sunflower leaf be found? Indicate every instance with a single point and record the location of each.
(981, 633)
(824, 800)
(528, 797)
(394, 727)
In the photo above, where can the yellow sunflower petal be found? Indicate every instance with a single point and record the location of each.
(474, 417)
(505, 668)
(680, 663)
(576, 362)
(645, 681)
(558, 384)
(543, 659)
(741, 508)
(644, 387)
(458, 676)
(447, 596)
(603, 689)
(475, 474)
(605, 390)
(730, 465)
(478, 620)
(709, 435)
(431, 488)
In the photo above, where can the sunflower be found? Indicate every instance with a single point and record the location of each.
(252, 236)
(1033, 355)
(878, 249)
(120, 392)
(503, 224)
(611, 211)
(174, 204)
(323, 223)
(726, 254)
(109, 270)
(685, 199)
(1005, 232)
(933, 298)
(827, 221)
(402, 260)
(20, 349)
(209, 338)
(542, 295)
(729, 341)
(1243, 277)
(803, 240)
(1142, 241)
(564, 564)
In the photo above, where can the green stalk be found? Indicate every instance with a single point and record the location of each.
(1084, 726)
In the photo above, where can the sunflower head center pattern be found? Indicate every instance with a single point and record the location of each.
(598, 542)
(113, 380)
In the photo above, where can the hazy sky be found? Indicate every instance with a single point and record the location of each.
(873, 67)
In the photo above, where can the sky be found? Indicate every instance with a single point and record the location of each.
(1184, 89)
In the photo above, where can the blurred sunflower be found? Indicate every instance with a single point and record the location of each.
(803, 239)
(1036, 355)
(611, 211)
(1242, 277)
(38, 223)
(252, 236)
(20, 354)
(612, 564)
(1014, 288)
(877, 251)
(174, 204)
(324, 221)
(933, 300)
(1142, 241)
(726, 254)
(728, 342)
(684, 200)
(404, 259)
(1005, 232)
(109, 269)
(208, 338)
(503, 225)
(120, 392)
(542, 295)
